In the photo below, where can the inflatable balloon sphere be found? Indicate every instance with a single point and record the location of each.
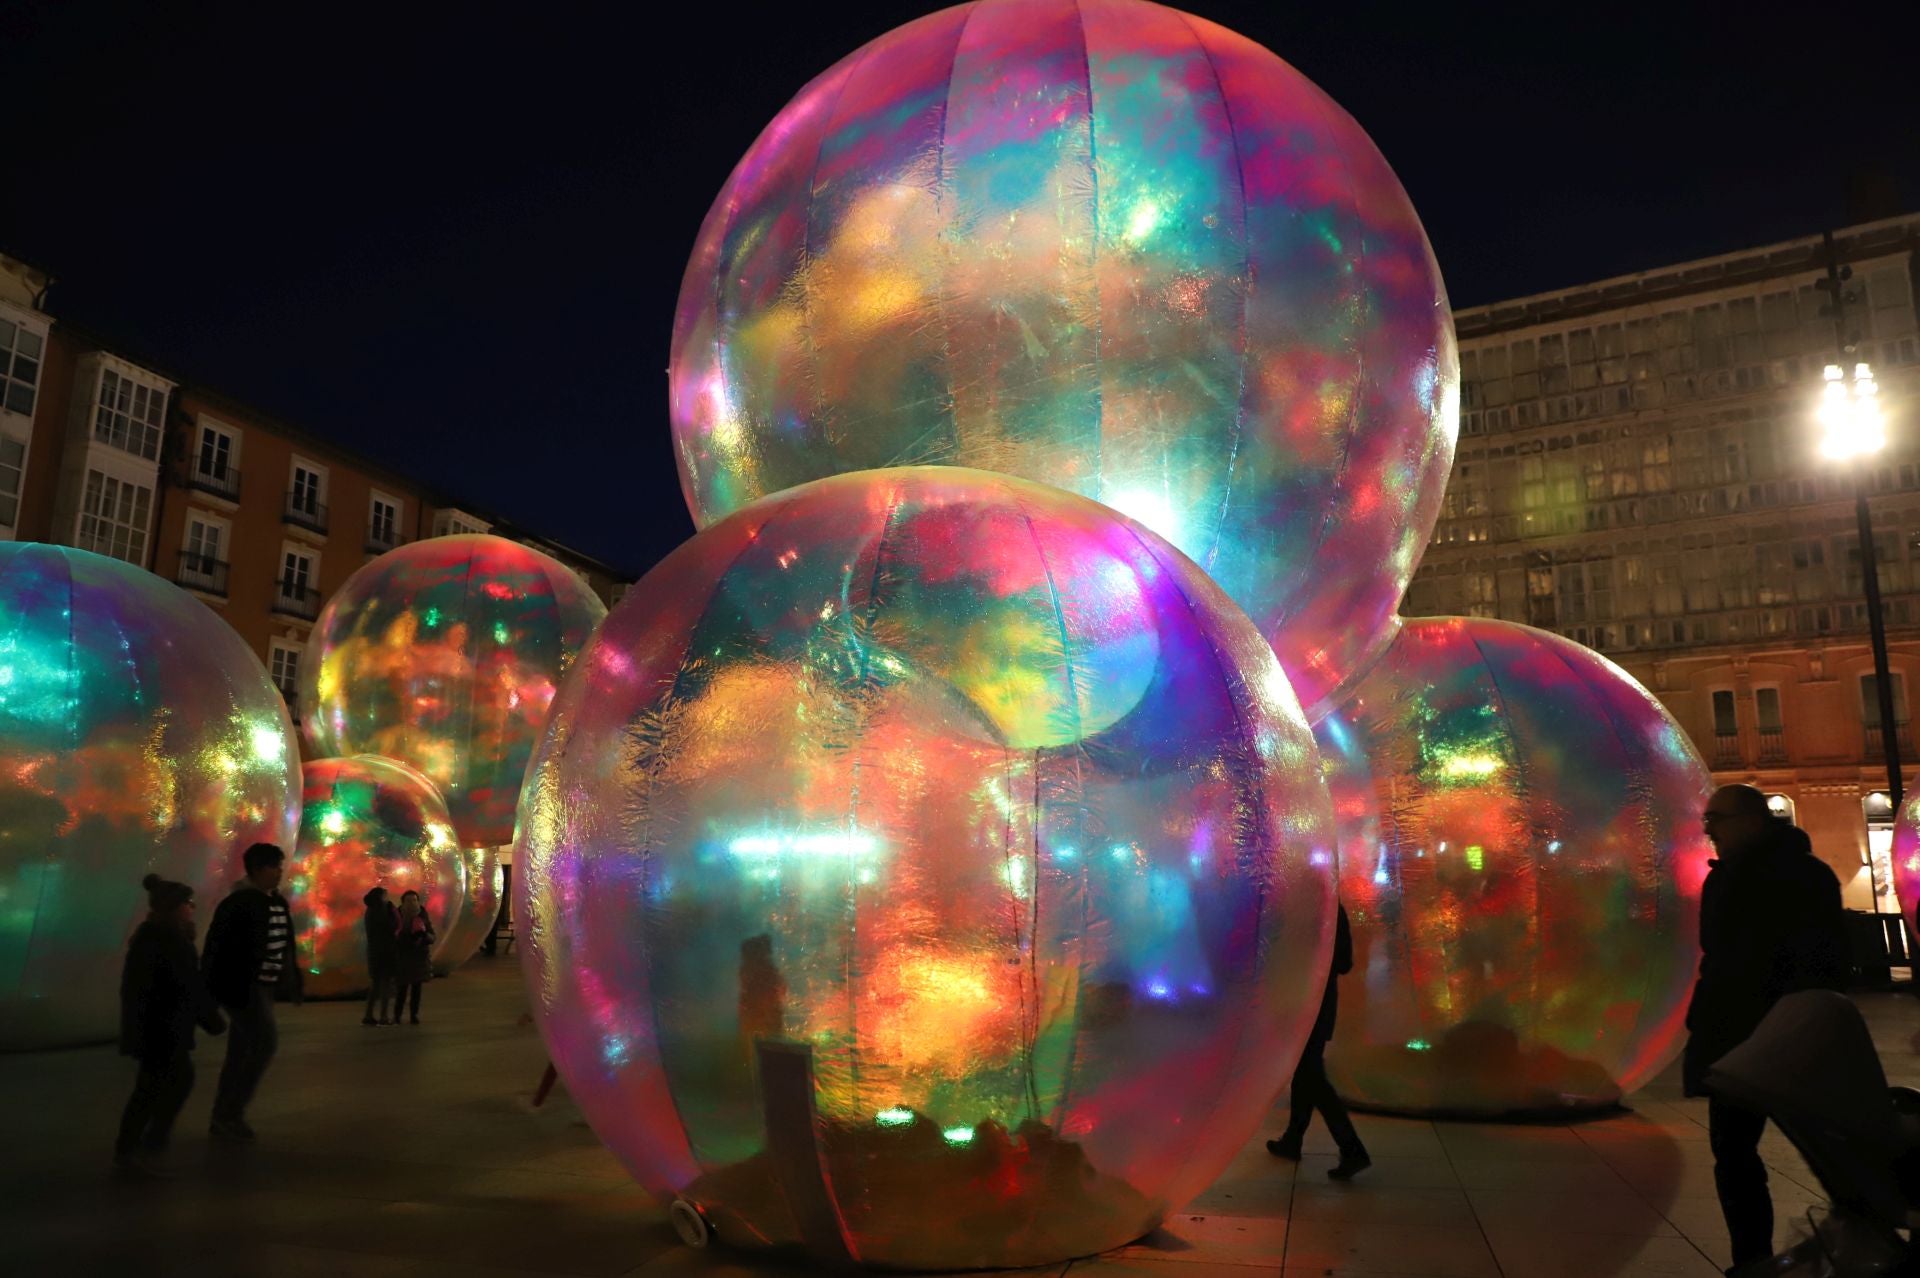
(138, 734)
(1521, 858)
(1104, 245)
(929, 866)
(365, 822)
(444, 654)
(461, 935)
(1906, 863)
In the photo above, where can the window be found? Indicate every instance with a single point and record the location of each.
(383, 523)
(283, 664)
(128, 415)
(19, 367)
(1724, 722)
(308, 484)
(1766, 707)
(451, 522)
(205, 539)
(297, 574)
(1870, 700)
(216, 460)
(113, 518)
(13, 472)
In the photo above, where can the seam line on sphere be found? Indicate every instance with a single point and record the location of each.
(1246, 296)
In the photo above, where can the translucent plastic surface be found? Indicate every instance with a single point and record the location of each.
(1104, 245)
(1906, 865)
(930, 865)
(138, 734)
(460, 937)
(1521, 858)
(444, 654)
(365, 822)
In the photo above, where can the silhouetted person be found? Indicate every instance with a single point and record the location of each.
(413, 962)
(248, 958)
(382, 925)
(1311, 1090)
(162, 997)
(1770, 924)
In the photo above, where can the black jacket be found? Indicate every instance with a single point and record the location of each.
(414, 965)
(1770, 924)
(236, 945)
(162, 996)
(1342, 964)
(382, 923)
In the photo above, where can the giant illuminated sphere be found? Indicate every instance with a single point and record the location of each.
(936, 845)
(365, 822)
(1104, 245)
(1906, 864)
(461, 935)
(138, 734)
(444, 654)
(1521, 858)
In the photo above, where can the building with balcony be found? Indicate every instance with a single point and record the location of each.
(1637, 470)
(258, 518)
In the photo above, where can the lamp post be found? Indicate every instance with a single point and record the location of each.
(1853, 433)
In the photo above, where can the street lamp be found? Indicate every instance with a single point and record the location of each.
(1853, 431)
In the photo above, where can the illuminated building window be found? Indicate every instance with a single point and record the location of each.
(127, 415)
(20, 350)
(114, 515)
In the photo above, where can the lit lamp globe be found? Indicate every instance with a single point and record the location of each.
(1521, 858)
(365, 822)
(138, 734)
(461, 936)
(1107, 246)
(927, 867)
(444, 654)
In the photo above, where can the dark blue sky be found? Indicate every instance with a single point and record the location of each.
(451, 237)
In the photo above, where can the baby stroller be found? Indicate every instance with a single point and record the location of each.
(1812, 1069)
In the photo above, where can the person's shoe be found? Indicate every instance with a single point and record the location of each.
(233, 1131)
(414, 1021)
(368, 1020)
(1286, 1147)
(1351, 1164)
(385, 1021)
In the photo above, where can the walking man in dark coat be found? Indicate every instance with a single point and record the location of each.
(1311, 1088)
(248, 956)
(1770, 925)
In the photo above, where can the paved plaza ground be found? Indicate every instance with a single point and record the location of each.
(416, 1152)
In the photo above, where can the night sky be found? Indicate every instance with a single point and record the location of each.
(453, 243)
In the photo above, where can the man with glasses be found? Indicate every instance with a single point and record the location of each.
(1770, 925)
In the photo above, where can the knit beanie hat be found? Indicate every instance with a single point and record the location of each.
(164, 895)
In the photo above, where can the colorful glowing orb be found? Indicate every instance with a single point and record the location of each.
(444, 654)
(365, 822)
(461, 935)
(1906, 863)
(972, 802)
(1521, 859)
(1104, 245)
(137, 734)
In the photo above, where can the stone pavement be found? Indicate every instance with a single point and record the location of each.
(415, 1152)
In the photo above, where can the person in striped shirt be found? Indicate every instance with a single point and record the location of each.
(248, 957)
